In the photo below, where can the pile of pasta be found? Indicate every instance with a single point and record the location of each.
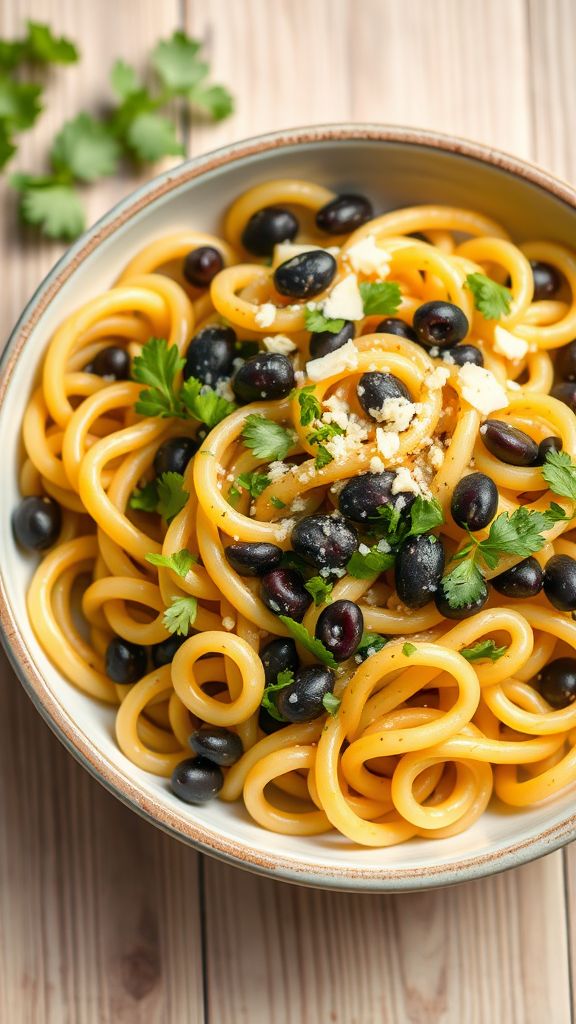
(419, 744)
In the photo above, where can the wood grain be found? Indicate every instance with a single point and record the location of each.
(104, 919)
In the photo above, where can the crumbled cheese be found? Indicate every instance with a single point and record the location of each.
(366, 257)
(404, 481)
(345, 301)
(387, 442)
(284, 528)
(265, 315)
(279, 343)
(298, 505)
(228, 622)
(447, 358)
(383, 546)
(513, 385)
(436, 456)
(437, 379)
(276, 470)
(344, 358)
(376, 465)
(224, 389)
(508, 345)
(363, 549)
(480, 389)
(396, 414)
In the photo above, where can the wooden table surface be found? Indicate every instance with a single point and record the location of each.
(103, 918)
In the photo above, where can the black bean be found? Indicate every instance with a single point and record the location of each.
(394, 325)
(283, 593)
(566, 392)
(324, 342)
(557, 682)
(301, 701)
(375, 388)
(112, 362)
(508, 443)
(36, 522)
(523, 580)
(343, 214)
(268, 375)
(560, 582)
(566, 361)
(217, 745)
(440, 324)
(174, 455)
(444, 607)
(324, 541)
(201, 265)
(418, 570)
(211, 355)
(547, 280)
(305, 275)
(125, 662)
(362, 496)
(463, 354)
(549, 444)
(340, 626)
(268, 723)
(163, 653)
(474, 501)
(278, 656)
(253, 559)
(267, 228)
(196, 780)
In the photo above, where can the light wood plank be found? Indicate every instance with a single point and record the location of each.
(99, 913)
(294, 955)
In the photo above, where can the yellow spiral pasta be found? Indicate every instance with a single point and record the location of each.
(391, 708)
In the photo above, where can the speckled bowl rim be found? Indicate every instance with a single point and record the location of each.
(206, 839)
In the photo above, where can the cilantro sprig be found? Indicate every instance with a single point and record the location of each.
(180, 561)
(158, 366)
(380, 297)
(303, 637)
(320, 590)
(181, 615)
(283, 679)
(165, 495)
(370, 644)
(317, 323)
(518, 533)
(484, 649)
(331, 703)
(559, 472)
(491, 299)
(137, 128)
(267, 439)
(425, 515)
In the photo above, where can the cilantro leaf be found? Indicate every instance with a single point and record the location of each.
(491, 299)
(303, 637)
(310, 408)
(323, 457)
(425, 514)
(204, 403)
(19, 103)
(151, 135)
(316, 322)
(325, 433)
(157, 366)
(370, 644)
(12, 52)
(319, 589)
(283, 679)
(331, 703)
(42, 46)
(519, 533)
(277, 502)
(382, 297)
(171, 495)
(559, 472)
(255, 483)
(7, 147)
(176, 62)
(390, 516)
(55, 209)
(214, 100)
(408, 649)
(146, 498)
(363, 567)
(124, 80)
(85, 149)
(181, 615)
(483, 649)
(464, 585)
(266, 438)
(180, 562)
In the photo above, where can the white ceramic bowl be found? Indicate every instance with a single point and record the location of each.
(395, 167)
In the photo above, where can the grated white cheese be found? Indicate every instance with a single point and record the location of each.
(344, 358)
(345, 301)
(437, 379)
(228, 622)
(404, 481)
(279, 343)
(480, 389)
(366, 257)
(276, 470)
(376, 464)
(224, 389)
(298, 505)
(266, 315)
(396, 414)
(387, 442)
(508, 345)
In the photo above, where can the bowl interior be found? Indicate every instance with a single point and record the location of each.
(394, 172)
